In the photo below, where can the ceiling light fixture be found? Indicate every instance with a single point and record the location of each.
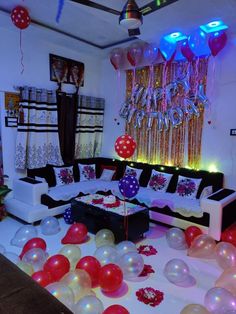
(131, 17)
(214, 26)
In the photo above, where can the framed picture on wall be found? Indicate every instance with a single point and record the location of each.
(64, 70)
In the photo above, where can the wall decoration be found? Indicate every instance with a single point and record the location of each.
(12, 104)
(64, 70)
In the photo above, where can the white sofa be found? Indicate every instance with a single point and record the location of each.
(26, 203)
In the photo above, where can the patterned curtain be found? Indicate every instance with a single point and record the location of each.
(88, 139)
(176, 145)
(37, 141)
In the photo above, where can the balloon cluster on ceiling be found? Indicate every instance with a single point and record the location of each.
(145, 100)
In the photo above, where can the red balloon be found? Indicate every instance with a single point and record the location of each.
(110, 278)
(42, 278)
(116, 309)
(34, 243)
(191, 233)
(76, 234)
(57, 265)
(20, 17)
(92, 266)
(125, 146)
(186, 51)
(117, 58)
(229, 235)
(216, 42)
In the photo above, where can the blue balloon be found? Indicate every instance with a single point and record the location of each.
(167, 48)
(128, 186)
(68, 216)
(198, 43)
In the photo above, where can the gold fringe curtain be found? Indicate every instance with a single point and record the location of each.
(177, 145)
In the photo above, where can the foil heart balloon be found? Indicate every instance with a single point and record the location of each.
(76, 234)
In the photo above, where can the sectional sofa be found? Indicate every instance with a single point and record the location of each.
(34, 199)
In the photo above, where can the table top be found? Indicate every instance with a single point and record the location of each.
(124, 209)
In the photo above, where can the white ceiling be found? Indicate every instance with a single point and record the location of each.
(102, 29)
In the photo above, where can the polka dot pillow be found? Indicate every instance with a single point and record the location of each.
(159, 181)
(187, 187)
(87, 172)
(64, 175)
(135, 172)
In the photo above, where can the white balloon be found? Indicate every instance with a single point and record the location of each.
(23, 234)
(125, 247)
(50, 225)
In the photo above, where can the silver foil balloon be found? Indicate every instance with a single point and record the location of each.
(171, 90)
(220, 301)
(190, 108)
(139, 94)
(35, 257)
(124, 110)
(88, 305)
(125, 246)
(131, 265)
(50, 225)
(106, 254)
(63, 293)
(144, 97)
(175, 116)
(157, 95)
(162, 121)
(176, 271)
(131, 113)
(139, 118)
(202, 96)
(151, 117)
(175, 238)
(185, 84)
(23, 234)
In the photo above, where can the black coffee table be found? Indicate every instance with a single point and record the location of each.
(97, 217)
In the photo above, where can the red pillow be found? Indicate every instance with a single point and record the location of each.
(109, 168)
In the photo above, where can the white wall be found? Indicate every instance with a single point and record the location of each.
(218, 147)
(36, 45)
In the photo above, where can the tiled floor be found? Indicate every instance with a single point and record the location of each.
(175, 298)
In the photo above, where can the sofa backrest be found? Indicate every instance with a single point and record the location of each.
(214, 179)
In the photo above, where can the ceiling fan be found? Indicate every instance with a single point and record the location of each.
(131, 16)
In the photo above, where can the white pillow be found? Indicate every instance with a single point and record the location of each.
(130, 171)
(159, 181)
(208, 190)
(64, 175)
(107, 174)
(87, 172)
(187, 187)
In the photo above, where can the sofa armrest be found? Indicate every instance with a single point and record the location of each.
(29, 193)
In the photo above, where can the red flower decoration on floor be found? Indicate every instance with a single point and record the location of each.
(147, 250)
(147, 269)
(150, 296)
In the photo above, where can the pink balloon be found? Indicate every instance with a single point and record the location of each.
(194, 309)
(220, 301)
(202, 246)
(227, 280)
(150, 54)
(117, 58)
(134, 54)
(186, 51)
(216, 42)
(225, 255)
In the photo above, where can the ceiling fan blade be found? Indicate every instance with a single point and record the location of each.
(155, 5)
(97, 6)
(134, 32)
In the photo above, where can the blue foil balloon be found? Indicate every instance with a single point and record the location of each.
(198, 43)
(68, 216)
(128, 186)
(167, 48)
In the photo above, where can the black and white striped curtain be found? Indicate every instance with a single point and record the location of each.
(89, 129)
(37, 141)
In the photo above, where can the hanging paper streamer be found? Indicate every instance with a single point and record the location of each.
(59, 10)
(21, 19)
